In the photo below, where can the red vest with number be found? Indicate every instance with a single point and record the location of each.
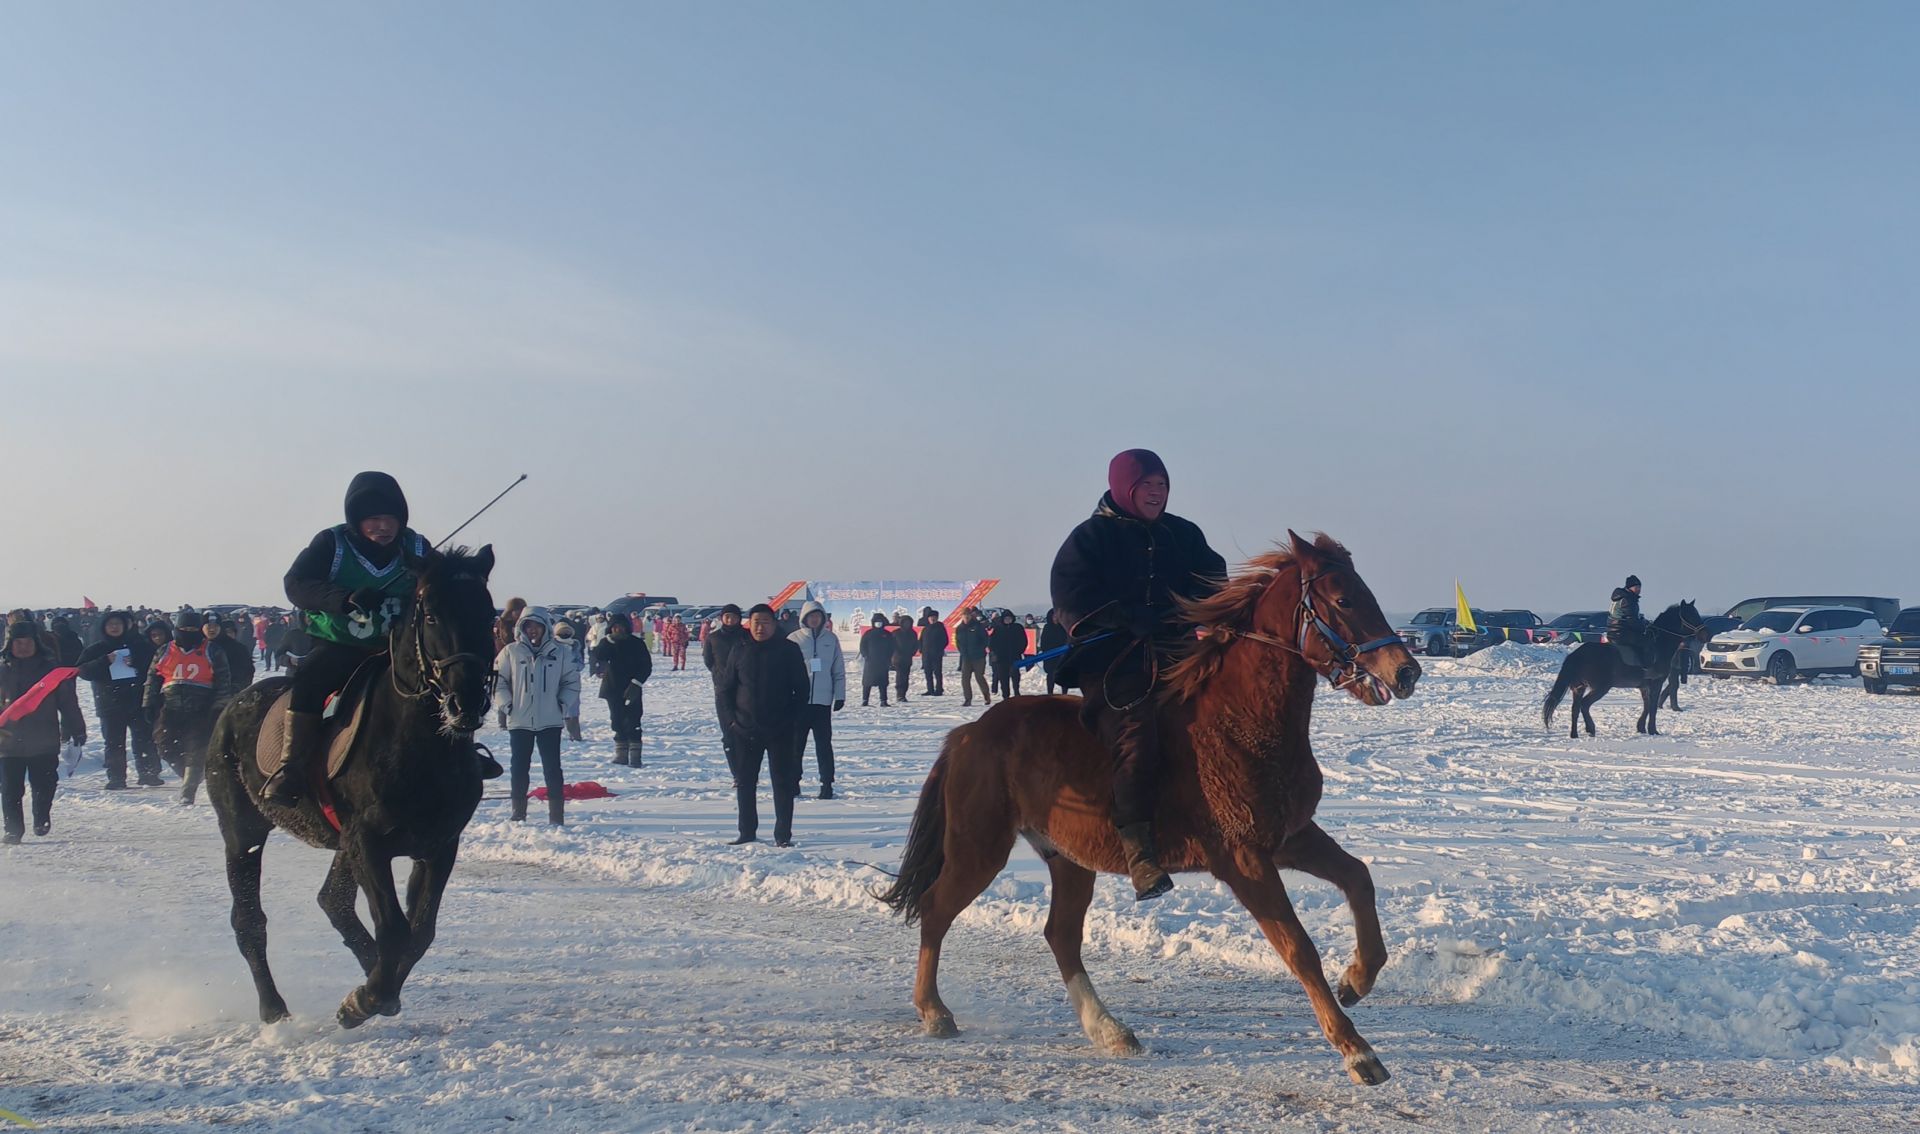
(186, 667)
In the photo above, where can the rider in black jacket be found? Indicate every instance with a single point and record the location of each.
(1122, 574)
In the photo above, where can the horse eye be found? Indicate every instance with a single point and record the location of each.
(1345, 601)
(432, 621)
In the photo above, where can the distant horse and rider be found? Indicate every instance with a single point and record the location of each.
(1594, 669)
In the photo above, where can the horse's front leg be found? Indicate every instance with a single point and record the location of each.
(245, 831)
(1256, 882)
(1314, 852)
(373, 869)
(425, 886)
(1650, 712)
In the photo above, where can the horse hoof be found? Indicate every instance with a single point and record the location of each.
(273, 1012)
(940, 1027)
(390, 1007)
(355, 1009)
(1349, 995)
(1116, 1038)
(1366, 1069)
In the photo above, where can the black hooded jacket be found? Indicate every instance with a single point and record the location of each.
(1116, 572)
(1625, 614)
(369, 494)
(119, 698)
(625, 660)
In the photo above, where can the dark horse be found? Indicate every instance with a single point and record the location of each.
(1237, 797)
(1593, 669)
(409, 789)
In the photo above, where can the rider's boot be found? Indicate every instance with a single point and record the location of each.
(287, 786)
(620, 753)
(1143, 864)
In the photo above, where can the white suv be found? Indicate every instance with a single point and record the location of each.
(1789, 642)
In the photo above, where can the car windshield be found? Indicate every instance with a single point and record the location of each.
(1907, 623)
(1569, 620)
(1430, 618)
(1774, 621)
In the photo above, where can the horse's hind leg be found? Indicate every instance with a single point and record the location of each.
(1314, 852)
(425, 887)
(245, 829)
(1066, 925)
(970, 866)
(1256, 882)
(1586, 712)
(337, 896)
(391, 933)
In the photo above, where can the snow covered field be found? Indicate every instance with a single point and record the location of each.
(1718, 929)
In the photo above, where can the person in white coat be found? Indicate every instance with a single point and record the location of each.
(827, 667)
(538, 693)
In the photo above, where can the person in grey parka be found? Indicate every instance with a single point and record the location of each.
(539, 692)
(827, 669)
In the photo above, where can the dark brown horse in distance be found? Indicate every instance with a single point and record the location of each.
(1237, 798)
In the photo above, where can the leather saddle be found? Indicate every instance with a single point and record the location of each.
(343, 715)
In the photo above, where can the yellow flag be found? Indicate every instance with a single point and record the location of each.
(1463, 615)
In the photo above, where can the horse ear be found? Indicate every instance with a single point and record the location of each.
(1303, 551)
(485, 560)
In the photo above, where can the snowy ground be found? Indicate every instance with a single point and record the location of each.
(1712, 930)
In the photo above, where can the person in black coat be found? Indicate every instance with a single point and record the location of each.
(117, 666)
(239, 658)
(1006, 645)
(877, 649)
(624, 663)
(30, 744)
(1052, 636)
(716, 650)
(933, 652)
(762, 691)
(970, 643)
(906, 643)
(1122, 573)
(66, 641)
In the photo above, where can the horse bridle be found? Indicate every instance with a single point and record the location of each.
(433, 671)
(1343, 671)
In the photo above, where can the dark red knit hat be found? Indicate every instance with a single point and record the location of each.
(1127, 470)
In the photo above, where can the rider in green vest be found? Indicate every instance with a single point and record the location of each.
(353, 583)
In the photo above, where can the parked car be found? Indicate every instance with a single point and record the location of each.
(1714, 624)
(1431, 631)
(1576, 626)
(1790, 642)
(627, 604)
(1494, 627)
(1884, 610)
(1893, 659)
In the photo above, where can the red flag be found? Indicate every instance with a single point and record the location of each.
(87, 603)
(30, 700)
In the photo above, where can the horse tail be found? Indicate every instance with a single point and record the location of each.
(926, 849)
(1559, 691)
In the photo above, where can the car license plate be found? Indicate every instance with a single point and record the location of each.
(1716, 659)
(1900, 670)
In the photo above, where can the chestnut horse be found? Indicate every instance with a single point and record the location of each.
(1237, 794)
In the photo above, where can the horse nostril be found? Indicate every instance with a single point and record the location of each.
(1404, 679)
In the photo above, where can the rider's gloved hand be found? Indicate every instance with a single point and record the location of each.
(366, 599)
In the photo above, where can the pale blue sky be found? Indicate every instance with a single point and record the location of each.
(1529, 295)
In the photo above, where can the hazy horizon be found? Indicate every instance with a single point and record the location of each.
(1527, 297)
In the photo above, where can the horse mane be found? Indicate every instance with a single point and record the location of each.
(1231, 606)
(1670, 618)
(455, 564)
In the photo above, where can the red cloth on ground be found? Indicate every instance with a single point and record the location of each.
(586, 789)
